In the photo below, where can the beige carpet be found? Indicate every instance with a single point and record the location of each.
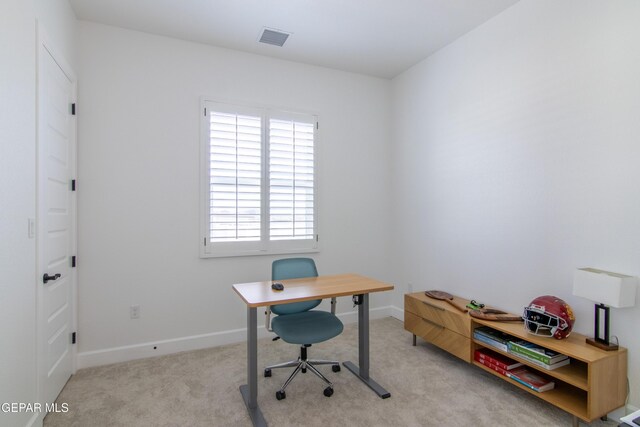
(428, 387)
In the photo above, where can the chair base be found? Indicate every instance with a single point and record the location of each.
(302, 364)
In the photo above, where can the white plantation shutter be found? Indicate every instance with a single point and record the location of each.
(259, 183)
(291, 180)
(235, 177)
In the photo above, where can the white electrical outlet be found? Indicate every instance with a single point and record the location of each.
(410, 287)
(134, 311)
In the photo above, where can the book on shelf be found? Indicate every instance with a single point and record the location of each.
(501, 361)
(534, 351)
(485, 362)
(530, 379)
(551, 367)
(493, 337)
(489, 341)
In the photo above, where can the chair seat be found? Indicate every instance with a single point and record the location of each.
(308, 327)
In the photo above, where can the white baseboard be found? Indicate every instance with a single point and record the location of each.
(196, 342)
(159, 348)
(396, 312)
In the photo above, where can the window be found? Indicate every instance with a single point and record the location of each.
(258, 181)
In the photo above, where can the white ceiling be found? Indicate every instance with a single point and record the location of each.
(376, 37)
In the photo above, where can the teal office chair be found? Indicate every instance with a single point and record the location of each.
(297, 323)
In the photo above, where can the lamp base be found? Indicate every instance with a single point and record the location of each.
(601, 345)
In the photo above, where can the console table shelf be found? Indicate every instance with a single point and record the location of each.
(562, 396)
(592, 385)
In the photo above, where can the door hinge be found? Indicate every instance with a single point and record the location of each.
(317, 237)
(317, 125)
(73, 338)
(73, 185)
(205, 112)
(73, 109)
(205, 241)
(73, 261)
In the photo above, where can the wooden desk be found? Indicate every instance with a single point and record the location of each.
(260, 294)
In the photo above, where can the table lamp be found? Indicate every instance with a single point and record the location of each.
(607, 290)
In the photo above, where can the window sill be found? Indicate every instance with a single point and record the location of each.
(239, 253)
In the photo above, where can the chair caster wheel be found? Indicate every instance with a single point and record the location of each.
(267, 373)
(335, 368)
(304, 370)
(328, 391)
(280, 395)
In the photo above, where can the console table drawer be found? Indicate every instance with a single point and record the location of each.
(438, 335)
(438, 312)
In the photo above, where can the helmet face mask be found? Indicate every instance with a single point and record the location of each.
(548, 316)
(537, 322)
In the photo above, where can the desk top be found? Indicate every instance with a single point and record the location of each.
(258, 294)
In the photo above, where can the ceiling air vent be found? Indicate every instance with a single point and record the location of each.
(274, 37)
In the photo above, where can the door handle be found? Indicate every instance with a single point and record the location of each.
(46, 277)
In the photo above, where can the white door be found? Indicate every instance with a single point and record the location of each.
(56, 224)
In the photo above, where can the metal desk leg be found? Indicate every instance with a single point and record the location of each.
(249, 391)
(363, 350)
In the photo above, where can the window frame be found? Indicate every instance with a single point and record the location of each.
(265, 246)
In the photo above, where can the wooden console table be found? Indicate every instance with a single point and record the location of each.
(591, 386)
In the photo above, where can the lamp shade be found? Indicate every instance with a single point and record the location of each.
(605, 287)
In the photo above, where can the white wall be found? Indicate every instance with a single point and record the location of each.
(59, 21)
(17, 196)
(18, 377)
(516, 160)
(139, 118)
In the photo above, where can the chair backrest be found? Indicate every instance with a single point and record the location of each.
(294, 268)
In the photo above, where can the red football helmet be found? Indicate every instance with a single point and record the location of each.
(549, 316)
